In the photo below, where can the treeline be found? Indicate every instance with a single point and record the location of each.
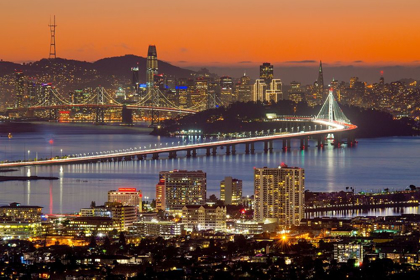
(250, 116)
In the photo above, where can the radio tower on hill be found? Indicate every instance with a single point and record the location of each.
(53, 53)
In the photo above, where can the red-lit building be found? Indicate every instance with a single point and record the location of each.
(127, 197)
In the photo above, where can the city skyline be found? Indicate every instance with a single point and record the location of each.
(368, 34)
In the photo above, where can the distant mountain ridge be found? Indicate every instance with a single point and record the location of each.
(115, 66)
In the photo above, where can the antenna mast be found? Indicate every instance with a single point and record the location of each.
(53, 53)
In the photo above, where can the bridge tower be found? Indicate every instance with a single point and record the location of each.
(211, 99)
(100, 110)
(331, 112)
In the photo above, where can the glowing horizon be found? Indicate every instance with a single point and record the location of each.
(217, 33)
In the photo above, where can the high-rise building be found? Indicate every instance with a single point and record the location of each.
(19, 88)
(231, 191)
(320, 80)
(178, 188)
(226, 90)
(151, 65)
(135, 81)
(266, 72)
(279, 194)
(127, 197)
(275, 92)
(353, 81)
(259, 90)
(243, 89)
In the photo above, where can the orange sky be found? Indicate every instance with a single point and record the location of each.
(191, 32)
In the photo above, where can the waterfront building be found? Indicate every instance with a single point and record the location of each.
(279, 194)
(151, 65)
(345, 251)
(16, 212)
(178, 188)
(204, 217)
(231, 191)
(266, 72)
(155, 228)
(127, 197)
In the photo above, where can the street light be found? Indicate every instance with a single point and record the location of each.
(61, 151)
(29, 152)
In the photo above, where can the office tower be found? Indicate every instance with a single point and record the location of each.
(243, 89)
(151, 65)
(320, 80)
(226, 90)
(182, 187)
(259, 90)
(123, 215)
(161, 195)
(295, 92)
(279, 194)
(353, 81)
(231, 191)
(266, 72)
(127, 197)
(275, 92)
(19, 88)
(16, 212)
(135, 81)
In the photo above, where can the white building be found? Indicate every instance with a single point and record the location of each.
(127, 197)
(204, 217)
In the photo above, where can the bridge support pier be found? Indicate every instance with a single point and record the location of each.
(207, 152)
(194, 153)
(233, 150)
(351, 140)
(247, 148)
(337, 140)
(214, 152)
(265, 147)
(172, 155)
(252, 148)
(321, 141)
(155, 156)
(270, 146)
(306, 142)
(284, 145)
(188, 153)
(227, 149)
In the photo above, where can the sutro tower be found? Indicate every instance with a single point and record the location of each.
(53, 53)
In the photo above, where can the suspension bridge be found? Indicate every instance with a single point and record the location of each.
(329, 123)
(100, 103)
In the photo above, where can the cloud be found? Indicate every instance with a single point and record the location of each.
(182, 61)
(301, 61)
(246, 61)
(358, 61)
(183, 49)
(122, 45)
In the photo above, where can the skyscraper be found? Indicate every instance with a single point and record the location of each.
(320, 80)
(275, 92)
(243, 89)
(178, 188)
(279, 194)
(259, 90)
(19, 88)
(127, 197)
(151, 65)
(231, 191)
(266, 72)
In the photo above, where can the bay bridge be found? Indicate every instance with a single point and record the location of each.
(329, 123)
(100, 103)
